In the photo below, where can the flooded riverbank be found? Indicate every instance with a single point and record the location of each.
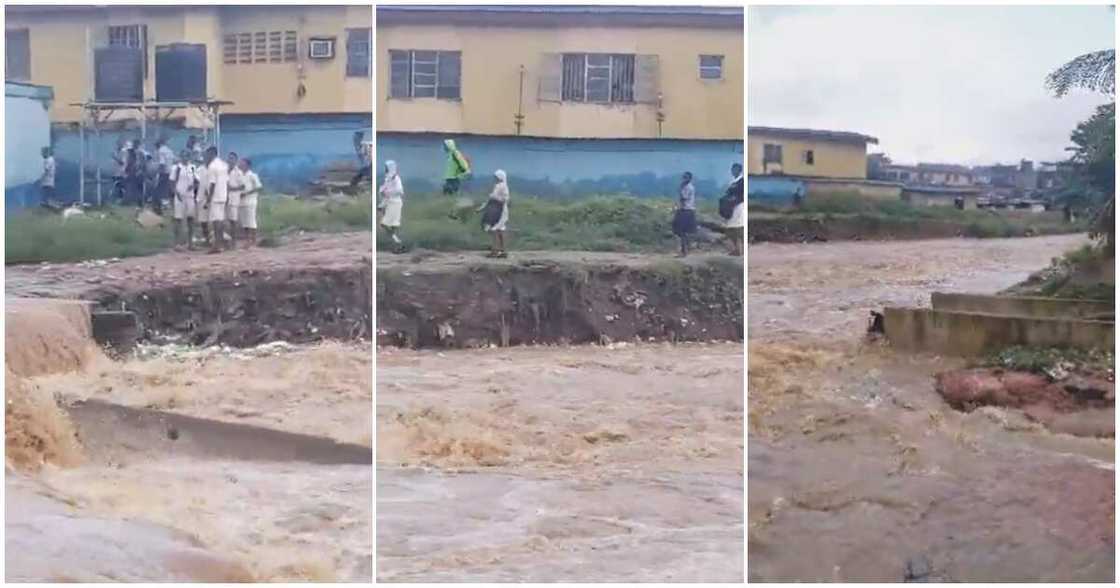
(856, 459)
(584, 463)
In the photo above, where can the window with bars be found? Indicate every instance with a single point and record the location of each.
(771, 153)
(418, 73)
(260, 47)
(132, 36)
(358, 43)
(598, 77)
(711, 67)
(17, 55)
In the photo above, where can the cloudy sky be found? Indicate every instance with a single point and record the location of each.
(954, 84)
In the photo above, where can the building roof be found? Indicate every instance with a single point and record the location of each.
(563, 15)
(944, 167)
(837, 136)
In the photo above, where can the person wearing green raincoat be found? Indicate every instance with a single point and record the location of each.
(457, 168)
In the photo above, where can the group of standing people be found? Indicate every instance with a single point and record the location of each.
(730, 208)
(495, 211)
(220, 195)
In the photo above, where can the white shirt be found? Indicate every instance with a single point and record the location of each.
(166, 158)
(251, 182)
(48, 171)
(185, 175)
(236, 180)
(217, 174)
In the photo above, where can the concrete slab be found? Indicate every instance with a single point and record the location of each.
(1025, 306)
(971, 334)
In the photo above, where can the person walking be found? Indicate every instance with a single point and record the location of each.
(392, 204)
(734, 195)
(456, 170)
(165, 157)
(495, 215)
(684, 217)
(47, 180)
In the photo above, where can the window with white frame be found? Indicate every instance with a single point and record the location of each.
(416, 73)
(133, 37)
(598, 77)
(711, 67)
(358, 52)
(260, 47)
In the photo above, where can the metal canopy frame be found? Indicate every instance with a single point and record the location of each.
(96, 114)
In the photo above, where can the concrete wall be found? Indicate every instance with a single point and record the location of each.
(493, 55)
(831, 159)
(565, 167)
(774, 190)
(966, 334)
(920, 198)
(26, 131)
(818, 187)
(1027, 306)
(59, 56)
(287, 151)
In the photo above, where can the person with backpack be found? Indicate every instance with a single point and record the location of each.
(458, 167)
(731, 209)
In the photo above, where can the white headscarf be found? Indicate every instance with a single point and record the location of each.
(501, 189)
(392, 186)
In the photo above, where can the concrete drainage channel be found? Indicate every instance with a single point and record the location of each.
(971, 325)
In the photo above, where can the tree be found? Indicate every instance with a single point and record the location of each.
(1094, 151)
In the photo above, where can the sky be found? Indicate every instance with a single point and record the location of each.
(948, 84)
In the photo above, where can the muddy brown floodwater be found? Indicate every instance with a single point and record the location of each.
(859, 471)
(203, 465)
(561, 463)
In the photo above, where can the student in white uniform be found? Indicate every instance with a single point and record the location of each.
(392, 203)
(233, 204)
(248, 213)
(217, 195)
(184, 181)
(46, 181)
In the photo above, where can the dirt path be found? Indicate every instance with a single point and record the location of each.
(586, 463)
(92, 280)
(855, 459)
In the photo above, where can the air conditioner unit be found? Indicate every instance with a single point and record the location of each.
(320, 48)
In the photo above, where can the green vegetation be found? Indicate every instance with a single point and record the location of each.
(1077, 274)
(1053, 362)
(601, 223)
(37, 236)
(896, 214)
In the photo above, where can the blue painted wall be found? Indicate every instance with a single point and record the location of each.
(774, 190)
(27, 129)
(288, 151)
(565, 168)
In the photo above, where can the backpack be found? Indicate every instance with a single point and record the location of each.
(727, 206)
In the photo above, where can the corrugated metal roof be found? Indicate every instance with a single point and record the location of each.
(842, 136)
(571, 9)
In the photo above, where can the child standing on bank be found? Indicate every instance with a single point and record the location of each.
(251, 189)
(184, 181)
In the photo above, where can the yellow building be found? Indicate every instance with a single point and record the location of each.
(561, 71)
(807, 153)
(263, 59)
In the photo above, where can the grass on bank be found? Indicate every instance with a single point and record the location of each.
(599, 223)
(36, 236)
(1078, 274)
(983, 223)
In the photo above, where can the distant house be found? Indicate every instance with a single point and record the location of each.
(813, 162)
(927, 174)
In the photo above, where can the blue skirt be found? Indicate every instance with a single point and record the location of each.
(684, 222)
